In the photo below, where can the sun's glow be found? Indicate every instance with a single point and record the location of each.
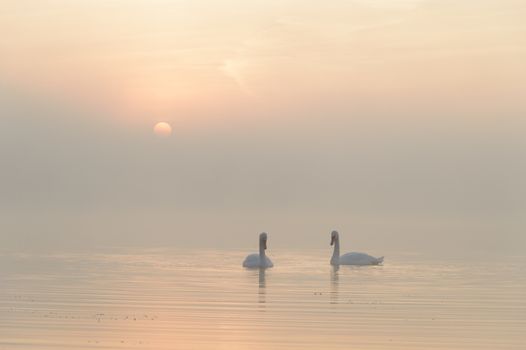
(162, 129)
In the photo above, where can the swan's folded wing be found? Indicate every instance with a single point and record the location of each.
(358, 259)
(251, 260)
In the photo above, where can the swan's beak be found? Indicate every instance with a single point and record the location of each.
(265, 244)
(332, 240)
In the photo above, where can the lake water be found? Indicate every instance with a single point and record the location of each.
(171, 299)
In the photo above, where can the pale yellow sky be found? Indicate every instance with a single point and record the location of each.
(144, 58)
(400, 121)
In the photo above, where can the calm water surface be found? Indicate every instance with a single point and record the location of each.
(161, 299)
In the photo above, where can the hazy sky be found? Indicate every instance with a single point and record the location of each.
(400, 123)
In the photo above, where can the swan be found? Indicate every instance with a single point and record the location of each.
(259, 260)
(350, 258)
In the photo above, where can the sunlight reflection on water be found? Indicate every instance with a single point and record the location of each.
(205, 300)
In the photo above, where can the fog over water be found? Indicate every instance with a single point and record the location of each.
(71, 180)
(401, 124)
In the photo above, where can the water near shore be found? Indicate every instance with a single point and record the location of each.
(161, 299)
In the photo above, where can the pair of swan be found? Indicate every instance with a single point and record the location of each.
(262, 261)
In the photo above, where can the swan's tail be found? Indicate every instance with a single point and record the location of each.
(380, 260)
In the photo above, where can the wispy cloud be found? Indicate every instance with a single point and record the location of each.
(234, 68)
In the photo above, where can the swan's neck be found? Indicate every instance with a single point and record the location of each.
(335, 260)
(262, 255)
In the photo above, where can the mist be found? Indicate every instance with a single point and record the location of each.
(401, 124)
(74, 180)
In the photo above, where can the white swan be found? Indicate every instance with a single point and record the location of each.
(259, 260)
(350, 258)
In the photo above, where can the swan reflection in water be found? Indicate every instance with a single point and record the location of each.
(335, 282)
(261, 288)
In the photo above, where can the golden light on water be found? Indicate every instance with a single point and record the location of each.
(162, 129)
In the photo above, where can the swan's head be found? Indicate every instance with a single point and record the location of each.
(263, 240)
(334, 236)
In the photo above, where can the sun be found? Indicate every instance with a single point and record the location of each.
(162, 129)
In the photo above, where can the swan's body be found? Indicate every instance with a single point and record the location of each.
(359, 259)
(254, 260)
(259, 260)
(351, 258)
